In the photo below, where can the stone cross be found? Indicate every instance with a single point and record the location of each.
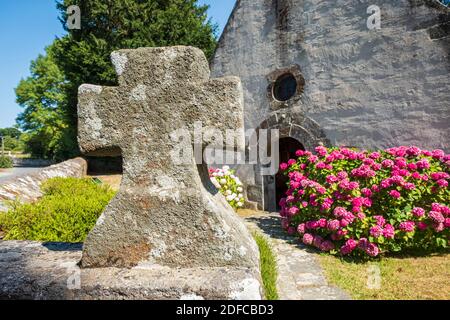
(164, 214)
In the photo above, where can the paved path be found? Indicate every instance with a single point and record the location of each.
(18, 171)
(300, 276)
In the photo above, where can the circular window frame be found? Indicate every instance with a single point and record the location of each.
(274, 79)
(285, 87)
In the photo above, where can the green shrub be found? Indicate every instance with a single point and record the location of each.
(67, 212)
(5, 162)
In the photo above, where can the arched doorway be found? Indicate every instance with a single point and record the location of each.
(288, 147)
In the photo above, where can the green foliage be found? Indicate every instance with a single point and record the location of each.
(67, 212)
(268, 265)
(12, 139)
(48, 133)
(49, 96)
(10, 132)
(5, 162)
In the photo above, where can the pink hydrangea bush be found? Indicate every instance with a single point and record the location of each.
(351, 202)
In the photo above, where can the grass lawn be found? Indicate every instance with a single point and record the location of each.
(402, 277)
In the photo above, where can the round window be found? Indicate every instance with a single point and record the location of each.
(285, 87)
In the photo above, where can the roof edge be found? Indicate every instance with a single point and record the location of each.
(221, 38)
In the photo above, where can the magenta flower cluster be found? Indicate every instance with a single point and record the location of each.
(347, 201)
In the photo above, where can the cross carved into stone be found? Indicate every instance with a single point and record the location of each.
(163, 214)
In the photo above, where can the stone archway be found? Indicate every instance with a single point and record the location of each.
(292, 126)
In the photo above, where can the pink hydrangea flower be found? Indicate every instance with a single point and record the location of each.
(333, 225)
(313, 159)
(407, 226)
(366, 192)
(342, 175)
(447, 223)
(418, 212)
(344, 223)
(308, 239)
(423, 164)
(442, 183)
(421, 225)
(389, 231)
(380, 220)
(387, 163)
(395, 194)
(339, 212)
(372, 250)
(327, 246)
(301, 229)
(376, 231)
(291, 231)
(438, 154)
(283, 166)
(375, 155)
(293, 211)
(363, 244)
(409, 186)
(291, 162)
(436, 216)
(317, 242)
(300, 153)
(322, 223)
(321, 151)
(438, 227)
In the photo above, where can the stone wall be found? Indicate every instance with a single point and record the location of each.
(25, 162)
(364, 88)
(26, 188)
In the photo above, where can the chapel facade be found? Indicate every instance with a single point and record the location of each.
(358, 73)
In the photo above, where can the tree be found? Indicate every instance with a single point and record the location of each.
(43, 97)
(10, 132)
(12, 139)
(83, 56)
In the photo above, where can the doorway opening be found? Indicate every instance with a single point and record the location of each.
(288, 147)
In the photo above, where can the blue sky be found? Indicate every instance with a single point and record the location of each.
(28, 26)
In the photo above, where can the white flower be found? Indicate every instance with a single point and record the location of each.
(240, 189)
(226, 168)
(215, 183)
(229, 192)
(240, 204)
(241, 196)
(223, 181)
(230, 198)
(233, 177)
(220, 174)
(227, 173)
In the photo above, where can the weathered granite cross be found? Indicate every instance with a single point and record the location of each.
(163, 214)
